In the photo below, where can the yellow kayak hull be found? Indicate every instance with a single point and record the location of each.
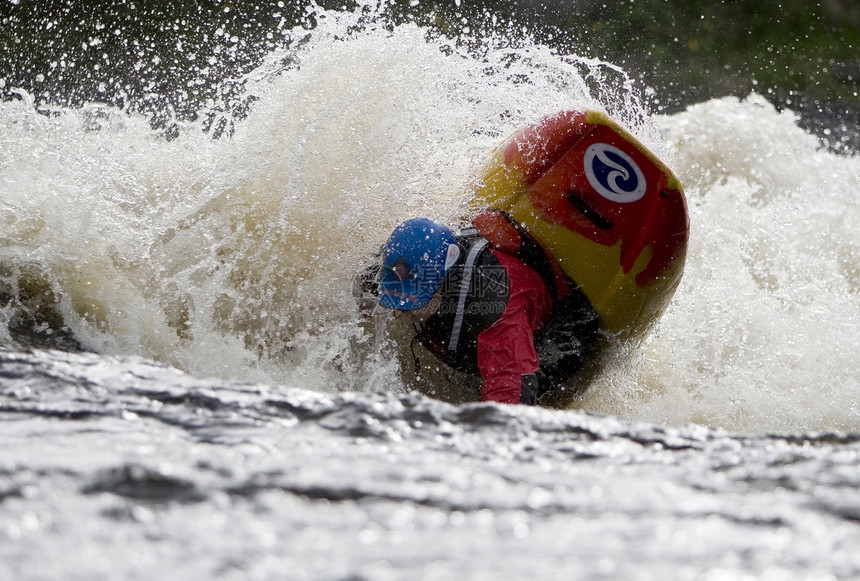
(611, 213)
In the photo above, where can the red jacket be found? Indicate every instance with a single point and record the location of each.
(506, 349)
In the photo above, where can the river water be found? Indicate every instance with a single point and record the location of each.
(187, 390)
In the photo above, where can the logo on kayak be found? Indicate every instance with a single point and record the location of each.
(613, 173)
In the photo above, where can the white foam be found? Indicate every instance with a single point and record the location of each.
(763, 332)
(234, 257)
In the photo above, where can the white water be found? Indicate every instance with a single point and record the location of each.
(764, 330)
(234, 257)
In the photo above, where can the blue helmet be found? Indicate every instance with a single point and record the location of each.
(417, 255)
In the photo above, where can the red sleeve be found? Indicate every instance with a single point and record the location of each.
(506, 349)
(505, 353)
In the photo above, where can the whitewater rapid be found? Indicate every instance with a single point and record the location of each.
(187, 390)
(233, 258)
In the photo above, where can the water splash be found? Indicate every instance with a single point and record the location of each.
(234, 257)
(761, 335)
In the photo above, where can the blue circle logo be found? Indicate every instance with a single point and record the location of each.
(613, 173)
